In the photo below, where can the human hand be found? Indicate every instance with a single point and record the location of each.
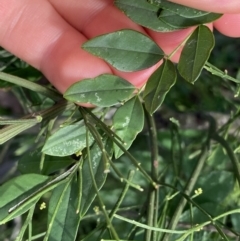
(48, 34)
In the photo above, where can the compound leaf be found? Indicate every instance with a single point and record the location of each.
(104, 91)
(158, 85)
(67, 141)
(128, 121)
(126, 50)
(195, 53)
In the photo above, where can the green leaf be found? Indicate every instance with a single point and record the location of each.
(143, 13)
(104, 91)
(128, 121)
(195, 53)
(30, 163)
(67, 141)
(63, 220)
(158, 85)
(16, 190)
(88, 190)
(180, 9)
(177, 21)
(126, 50)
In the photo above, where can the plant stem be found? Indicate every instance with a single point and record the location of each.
(30, 85)
(109, 224)
(80, 186)
(149, 227)
(215, 71)
(122, 196)
(122, 178)
(115, 138)
(26, 223)
(153, 145)
(152, 216)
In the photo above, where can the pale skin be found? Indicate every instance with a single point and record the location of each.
(48, 34)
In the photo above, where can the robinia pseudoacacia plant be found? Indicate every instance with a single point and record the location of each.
(77, 148)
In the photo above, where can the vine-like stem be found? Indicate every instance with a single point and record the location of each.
(153, 145)
(152, 216)
(120, 199)
(215, 71)
(113, 137)
(122, 196)
(122, 178)
(80, 185)
(30, 85)
(109, 224)
(26, 224)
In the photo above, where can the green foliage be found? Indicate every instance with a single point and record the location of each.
(158, 85)
(176, 21)
(155, 163)
(104, 90)
(30, 163)
(179, 9)
(16, 190)
(125, 50)
(63, 220)
(143, 13)
(195, 53)
(128, 121)
(66, 141)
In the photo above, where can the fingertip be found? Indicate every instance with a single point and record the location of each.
(229, 25)
(67, 63)
(216, 6)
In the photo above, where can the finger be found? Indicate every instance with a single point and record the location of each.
(35, 32)
(53, 46)
(228, 24)
(223, 6)
(99, 17)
